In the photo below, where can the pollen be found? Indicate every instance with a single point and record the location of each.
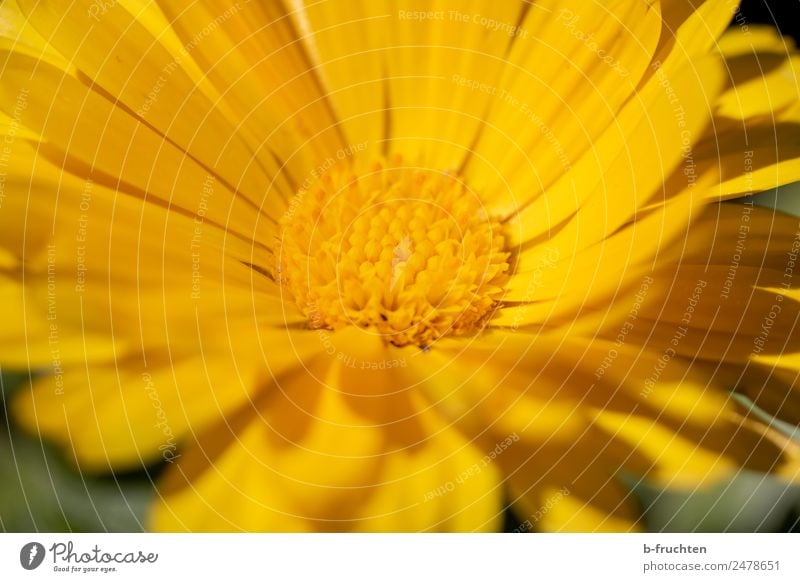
(408, 253)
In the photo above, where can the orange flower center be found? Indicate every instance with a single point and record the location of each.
(407, 252)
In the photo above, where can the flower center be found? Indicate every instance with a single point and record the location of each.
(406, 252)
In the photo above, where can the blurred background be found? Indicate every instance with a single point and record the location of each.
(785, 14)
(41, 491)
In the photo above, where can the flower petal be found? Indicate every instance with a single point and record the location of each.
(153, 81)
(130, 411)
(629, 163)
(589, 412)
(89, 136)
(252, 54)
(29, 338)
(557, 285)
(152, 276)
(392, 70)
(753, 144)
(566, 81)
(314, 458)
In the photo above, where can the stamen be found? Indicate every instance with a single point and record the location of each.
(407, 252)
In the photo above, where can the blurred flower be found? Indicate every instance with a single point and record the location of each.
(391, 266)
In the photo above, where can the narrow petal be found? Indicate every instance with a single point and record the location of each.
(326, 453)
(588, 414)
(118, 53)
(566, 80)
(138, 408)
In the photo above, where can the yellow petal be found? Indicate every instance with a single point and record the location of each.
(315, 459)
(118, 53)
(652, 137)
(90, 136)
(252, 55)
(134, 410)
(753, 145)
(692, 27)
(566, 79)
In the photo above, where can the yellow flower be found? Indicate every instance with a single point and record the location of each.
(392, 266)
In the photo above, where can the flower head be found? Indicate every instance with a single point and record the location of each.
(402, 251)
